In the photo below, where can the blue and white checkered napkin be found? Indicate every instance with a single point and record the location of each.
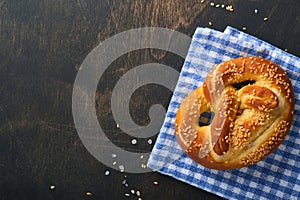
(275, 177)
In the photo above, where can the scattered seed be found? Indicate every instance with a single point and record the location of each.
(133, 141)
(150, 141)
(222, 6)
(113, 155)
(115, 162)
(139, 198)
(244, 28)
(155, 183)
(106, 173)
(118, 125)
(255, 11)
(132, 191)
(218, 5)
(88, 194)
(212, 4)
(202, 1)
(210, 23)
(52, 187)
(138, 193)
(229, 8)
(143, 166)
(142, 156)
(127, 195)
(122, 168)
(124, 182)
(286, 50)
(265, 19)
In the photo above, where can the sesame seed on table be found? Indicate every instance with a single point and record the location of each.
(43, 44)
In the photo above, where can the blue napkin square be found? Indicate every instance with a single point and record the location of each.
(275, 177)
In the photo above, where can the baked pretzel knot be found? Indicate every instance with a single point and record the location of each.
(253, 103)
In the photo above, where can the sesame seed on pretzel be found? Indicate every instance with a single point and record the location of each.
(253, 104)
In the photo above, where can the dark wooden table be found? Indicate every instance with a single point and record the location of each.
(44, 42)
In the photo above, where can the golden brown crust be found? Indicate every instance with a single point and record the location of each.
(250, 120)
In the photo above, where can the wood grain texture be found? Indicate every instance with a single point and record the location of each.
(43, 44)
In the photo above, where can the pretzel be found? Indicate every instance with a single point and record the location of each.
(253, 104)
